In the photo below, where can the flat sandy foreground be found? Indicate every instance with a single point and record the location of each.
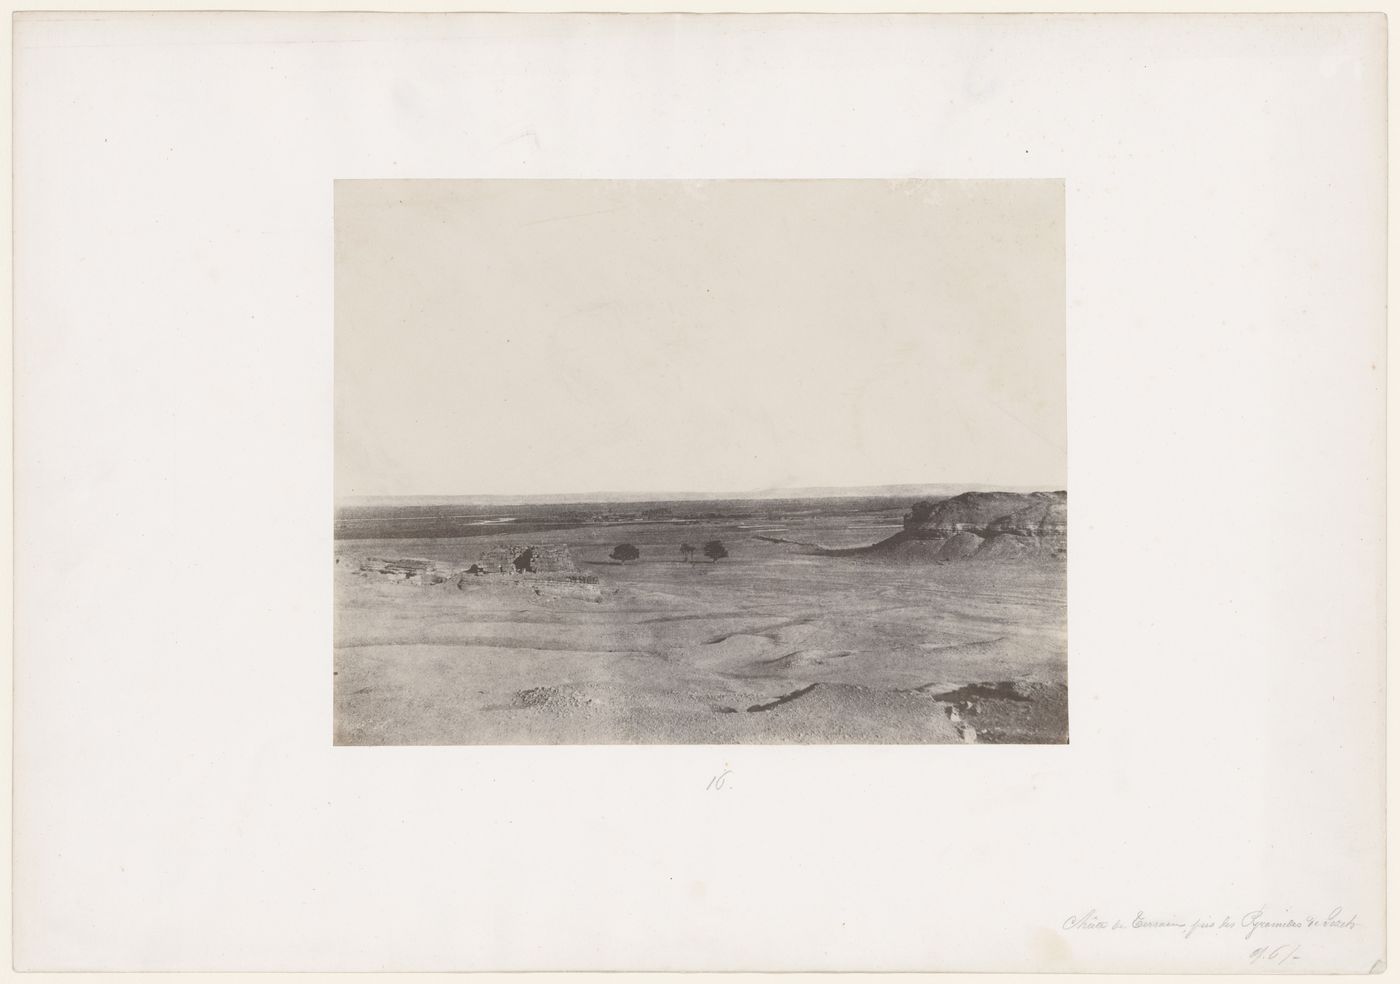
(770, 645)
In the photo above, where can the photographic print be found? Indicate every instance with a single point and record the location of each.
(717, 462)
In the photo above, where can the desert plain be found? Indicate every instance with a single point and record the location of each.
(832, 620)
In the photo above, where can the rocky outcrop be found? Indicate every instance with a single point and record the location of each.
(962, 544)
(1044, 516)
(983, 526)
(970, 512)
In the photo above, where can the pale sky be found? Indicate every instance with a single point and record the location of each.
(543, 337)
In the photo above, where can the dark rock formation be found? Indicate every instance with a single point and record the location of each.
(973, 512)
(982, 525)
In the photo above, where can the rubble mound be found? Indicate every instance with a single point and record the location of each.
(1006, 712)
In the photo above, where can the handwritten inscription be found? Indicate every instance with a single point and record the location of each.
(1275, 954)
(1261, 920)
(717, 782)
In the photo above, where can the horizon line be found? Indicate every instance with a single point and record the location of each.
(773, 492)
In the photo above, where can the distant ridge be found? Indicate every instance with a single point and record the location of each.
(753, 495)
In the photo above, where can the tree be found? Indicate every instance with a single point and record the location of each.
(715, 550)
(624, 552)
(687, 551)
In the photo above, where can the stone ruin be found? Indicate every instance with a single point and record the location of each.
(411, 571)
(533, 561)
(527, 558)
(549, 561)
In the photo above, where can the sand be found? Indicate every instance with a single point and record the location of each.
(771, 644)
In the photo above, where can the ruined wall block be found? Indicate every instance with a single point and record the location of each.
(528, 558)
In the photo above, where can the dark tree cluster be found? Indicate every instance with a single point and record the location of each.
(624, 552)
(713, 549)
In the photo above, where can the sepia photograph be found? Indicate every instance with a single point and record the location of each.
(831, 417)
(571, 493)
